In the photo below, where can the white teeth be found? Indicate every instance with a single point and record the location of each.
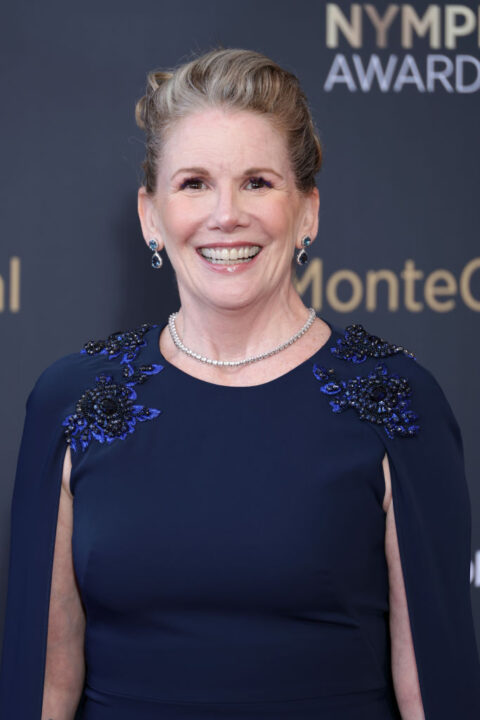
(246, 252)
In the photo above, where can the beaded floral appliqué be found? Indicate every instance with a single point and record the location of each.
(378, 397)
(357, 344)
(107, 411)
(127, 342)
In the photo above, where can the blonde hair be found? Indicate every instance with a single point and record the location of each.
(239, 80)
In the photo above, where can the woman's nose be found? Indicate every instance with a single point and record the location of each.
(227, 211)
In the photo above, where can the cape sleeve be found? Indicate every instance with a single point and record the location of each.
(34, 511)
(433, 519)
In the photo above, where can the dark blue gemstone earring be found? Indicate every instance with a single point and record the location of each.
(157, 261)
(302, 257)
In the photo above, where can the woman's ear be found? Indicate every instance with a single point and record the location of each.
(146, 213)
(312, 209)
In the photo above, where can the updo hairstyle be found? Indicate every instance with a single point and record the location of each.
(230, 78)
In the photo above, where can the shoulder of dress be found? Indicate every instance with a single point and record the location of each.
(382, 381)
(105, 405)
(75, 368)
(64, 380)
(125, 344)
(355, 344)
(56, 382)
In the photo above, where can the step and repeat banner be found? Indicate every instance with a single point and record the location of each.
(395, 92)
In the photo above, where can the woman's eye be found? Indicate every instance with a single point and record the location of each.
(194, 183)
(259, 182)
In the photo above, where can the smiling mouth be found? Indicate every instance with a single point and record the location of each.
(229, 256)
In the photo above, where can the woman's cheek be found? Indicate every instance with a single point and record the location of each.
(279, 219)
(182, 217)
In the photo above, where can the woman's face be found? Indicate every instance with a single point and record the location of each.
(225, 183)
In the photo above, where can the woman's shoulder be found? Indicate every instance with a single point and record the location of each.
(384, 373)
(355, 346)
(66, 377)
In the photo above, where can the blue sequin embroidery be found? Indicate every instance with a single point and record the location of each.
(378, 397)
(357, 344)
(106, 411)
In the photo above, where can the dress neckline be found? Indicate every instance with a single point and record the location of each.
(325, 349)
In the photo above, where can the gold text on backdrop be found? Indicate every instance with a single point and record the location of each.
(12, 287)
(409, 289)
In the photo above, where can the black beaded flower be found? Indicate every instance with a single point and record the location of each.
(378, 397)
(106, 411)
(127, 342)
(357, 344)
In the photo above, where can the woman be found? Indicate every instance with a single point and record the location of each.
(241, 511)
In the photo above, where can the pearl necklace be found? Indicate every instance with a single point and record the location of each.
(202, 358)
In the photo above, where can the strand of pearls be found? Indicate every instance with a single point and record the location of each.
(252, 359)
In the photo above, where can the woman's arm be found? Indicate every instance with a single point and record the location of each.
(65, 660)
(404, 667)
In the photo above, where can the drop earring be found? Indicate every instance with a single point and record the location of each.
(157, 261)
(302, 256)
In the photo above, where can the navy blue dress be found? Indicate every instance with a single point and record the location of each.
(228, 542)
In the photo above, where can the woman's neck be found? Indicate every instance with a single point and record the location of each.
(237, 333)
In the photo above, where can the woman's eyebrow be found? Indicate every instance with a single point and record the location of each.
(256, 170)
(204, 171)
(199, 170)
